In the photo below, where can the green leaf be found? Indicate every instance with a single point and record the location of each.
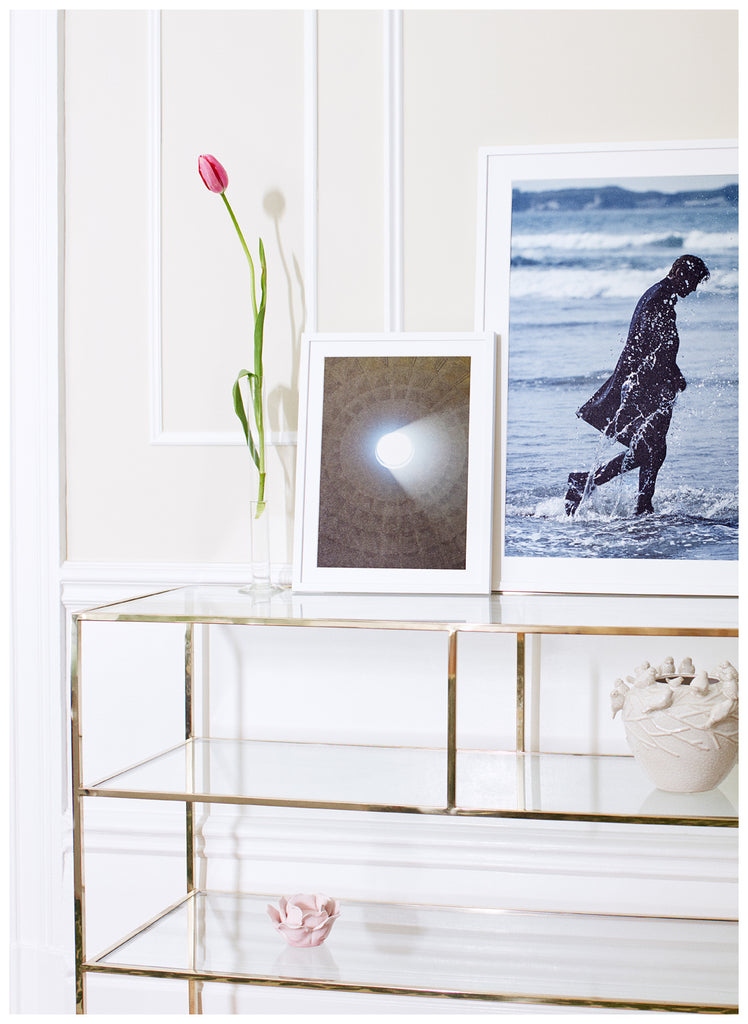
(241, 412)
(254, 380)
(239, 402)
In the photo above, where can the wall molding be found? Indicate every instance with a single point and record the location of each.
(40, 889)
(155, 317)
(393, 171)
(206, 438)
(666, 870)
(85, 584)
(311, 167)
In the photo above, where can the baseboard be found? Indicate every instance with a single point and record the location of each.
(87, 583)
(28, 965)
(526, 865)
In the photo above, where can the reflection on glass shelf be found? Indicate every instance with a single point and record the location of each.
(297, 772)
(228, 604)
(583, 785)
(416, 778)
(634, 961)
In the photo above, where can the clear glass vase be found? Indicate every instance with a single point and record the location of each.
(259, 532)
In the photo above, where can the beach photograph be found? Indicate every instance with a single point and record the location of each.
(586, 257)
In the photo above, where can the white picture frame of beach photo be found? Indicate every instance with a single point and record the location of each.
(643, 166)
(431, 398)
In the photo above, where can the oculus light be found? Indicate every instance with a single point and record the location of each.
(394, 450)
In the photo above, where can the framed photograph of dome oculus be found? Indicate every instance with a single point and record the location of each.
(610, 273)
(394, 466)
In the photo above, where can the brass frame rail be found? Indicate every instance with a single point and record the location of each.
(197, 978)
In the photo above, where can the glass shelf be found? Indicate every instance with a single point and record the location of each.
(337, 776)
(506, 612)
(539, 958)
(635, 963)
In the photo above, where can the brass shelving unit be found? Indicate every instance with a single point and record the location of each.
(189, 773)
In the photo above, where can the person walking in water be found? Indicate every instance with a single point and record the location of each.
(635, 404)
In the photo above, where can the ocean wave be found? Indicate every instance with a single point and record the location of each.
(688, 241)
(595, 378)
(551, 283)
(661, 537)
(580, 380)
(607, 505)
(569, 325)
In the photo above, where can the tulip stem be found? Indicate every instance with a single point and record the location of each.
(246, 251)
(256, 379)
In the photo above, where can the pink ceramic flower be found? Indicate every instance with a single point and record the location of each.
(213, 173)
(305, 920)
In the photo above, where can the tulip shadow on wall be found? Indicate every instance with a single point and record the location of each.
(283, 400)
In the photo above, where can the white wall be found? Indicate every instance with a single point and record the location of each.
(234, 84)
(496, 78)
(351, 142)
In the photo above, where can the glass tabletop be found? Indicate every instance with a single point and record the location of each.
(228, 604)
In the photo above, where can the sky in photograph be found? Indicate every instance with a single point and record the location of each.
(690, 183)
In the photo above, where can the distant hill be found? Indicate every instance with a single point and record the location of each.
(613, 197)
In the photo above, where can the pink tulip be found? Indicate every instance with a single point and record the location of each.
(216, 180)
(213, 173)
(305, 920)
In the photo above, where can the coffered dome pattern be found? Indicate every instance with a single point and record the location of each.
(411, 517)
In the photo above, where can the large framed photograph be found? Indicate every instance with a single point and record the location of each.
(610, 274)
(395, 462)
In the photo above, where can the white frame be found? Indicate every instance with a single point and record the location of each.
(498, 168)
(308, 577)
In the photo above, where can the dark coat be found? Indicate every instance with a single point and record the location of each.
(636, 402)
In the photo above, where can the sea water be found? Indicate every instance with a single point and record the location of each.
(576, 277)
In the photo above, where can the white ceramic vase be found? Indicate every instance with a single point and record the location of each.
(681, 725)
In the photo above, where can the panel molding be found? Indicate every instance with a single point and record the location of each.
(311, 166)
(186, 438)
(155, 313)
(393, 171)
